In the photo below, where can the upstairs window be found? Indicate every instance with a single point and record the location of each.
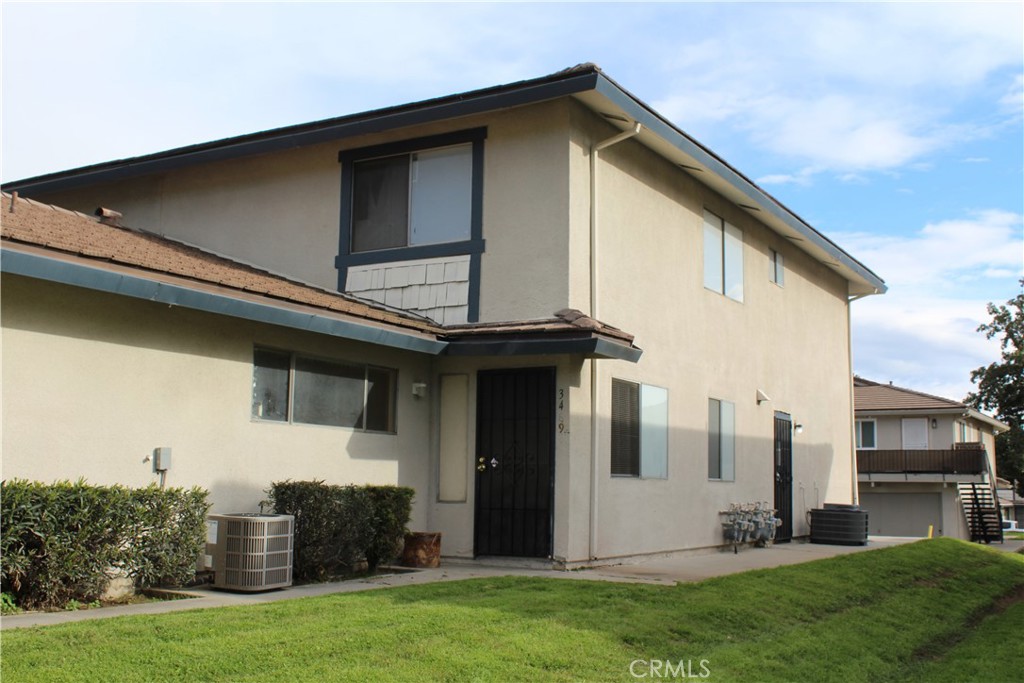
(723, 257)
(865, 434)
(292, 388)
(639, 430)
(777, 268)
(413, 199)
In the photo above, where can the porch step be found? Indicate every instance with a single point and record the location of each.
(981, 511)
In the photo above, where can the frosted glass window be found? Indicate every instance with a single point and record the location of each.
(733, 262)
(723, 257)
(454, 430)
(270, 385)
(778, 268)
(380, 400)
(442, 200)
(322, 392)
(713, 252)
(328, 393)
(653, 432)
(721, 440)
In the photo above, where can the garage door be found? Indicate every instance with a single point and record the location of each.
(902, 514)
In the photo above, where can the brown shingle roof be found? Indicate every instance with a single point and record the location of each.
(24, 221)
(31, 225)
(871, 396)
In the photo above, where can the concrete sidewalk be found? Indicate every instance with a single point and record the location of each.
(662, 570)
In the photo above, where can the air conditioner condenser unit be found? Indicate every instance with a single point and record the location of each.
(250, 551)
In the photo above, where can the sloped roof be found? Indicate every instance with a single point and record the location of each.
(873, 397)
(587, 83)
(48, 242)
(31, 223)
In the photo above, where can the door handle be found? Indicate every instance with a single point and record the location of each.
(481, 465)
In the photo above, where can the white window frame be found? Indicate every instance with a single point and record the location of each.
(723, 257)
(652, 425)
(859, 435)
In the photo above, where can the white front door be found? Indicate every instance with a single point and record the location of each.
(915, 434)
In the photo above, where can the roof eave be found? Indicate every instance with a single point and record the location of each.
(587, 83)
(705, 166)
(376, 121)
(69, 272)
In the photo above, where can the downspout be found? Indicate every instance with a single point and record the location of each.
(594, 479)
(854, 486)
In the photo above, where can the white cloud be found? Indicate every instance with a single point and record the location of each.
(945, 256)
(923, 332)
(849, 87)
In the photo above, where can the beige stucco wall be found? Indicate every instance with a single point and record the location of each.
(281, 211)
(790, 342)
(93, 382)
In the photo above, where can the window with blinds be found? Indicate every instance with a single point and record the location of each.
(639, 430)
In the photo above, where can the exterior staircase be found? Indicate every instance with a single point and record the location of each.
(982, 511)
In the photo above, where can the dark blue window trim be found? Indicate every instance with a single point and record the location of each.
(472, 247)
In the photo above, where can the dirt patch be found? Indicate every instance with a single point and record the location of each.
(937, 648)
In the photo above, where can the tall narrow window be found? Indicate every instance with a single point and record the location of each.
(639, 430)
(625, 428)
(723, 257)
(777, 269)
(721, 440)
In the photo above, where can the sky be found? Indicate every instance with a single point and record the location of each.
(896, 129)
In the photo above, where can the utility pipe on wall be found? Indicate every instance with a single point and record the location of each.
(594, 478)
(854, 486)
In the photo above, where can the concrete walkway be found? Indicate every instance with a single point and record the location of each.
(663, 570)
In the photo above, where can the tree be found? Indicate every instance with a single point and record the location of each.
(1001, 386)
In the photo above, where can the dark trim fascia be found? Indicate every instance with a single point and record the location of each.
(423, 251)
(641, 113)
(380, 120)
(591, 347)
(77, 275)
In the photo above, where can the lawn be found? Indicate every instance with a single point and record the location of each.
(914, 612)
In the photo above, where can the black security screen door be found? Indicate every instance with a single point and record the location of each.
(784, 475)
(515, 455)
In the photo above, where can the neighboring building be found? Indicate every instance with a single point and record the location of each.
(924, 463)
(1010, 503)
(479, 214)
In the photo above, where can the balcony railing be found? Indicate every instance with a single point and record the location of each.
(968, 461)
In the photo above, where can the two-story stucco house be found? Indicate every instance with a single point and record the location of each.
(467, 222)
(925, 463)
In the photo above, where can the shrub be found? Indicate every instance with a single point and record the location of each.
(338, 527)
(64, 541)
(391, 507)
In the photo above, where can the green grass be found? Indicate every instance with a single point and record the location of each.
(897, 614)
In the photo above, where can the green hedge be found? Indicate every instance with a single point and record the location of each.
(338, 527)
(65, 541)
